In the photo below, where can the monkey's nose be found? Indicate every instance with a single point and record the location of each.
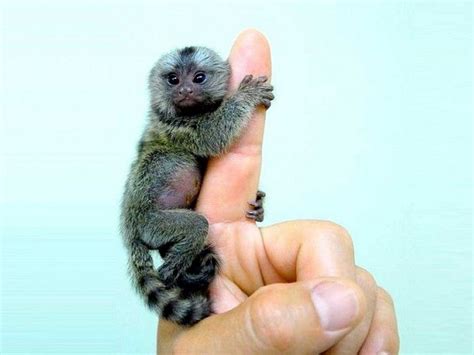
(186, 90)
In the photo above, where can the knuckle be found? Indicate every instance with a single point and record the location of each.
(367, 283)
(338, 233)
(365, 278)
(385, 296)
(270, 324)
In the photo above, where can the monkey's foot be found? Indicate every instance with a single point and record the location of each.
(201, 272)
(257, 212)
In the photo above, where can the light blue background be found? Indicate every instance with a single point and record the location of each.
(371, 128)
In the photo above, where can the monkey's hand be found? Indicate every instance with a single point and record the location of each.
(257, 212)
(256, 90)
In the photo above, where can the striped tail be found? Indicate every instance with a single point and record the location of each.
(172, 303)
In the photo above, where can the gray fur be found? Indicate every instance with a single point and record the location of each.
(165, 179)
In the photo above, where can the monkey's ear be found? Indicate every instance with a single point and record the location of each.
(152, 75)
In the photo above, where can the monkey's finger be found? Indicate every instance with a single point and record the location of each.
(267, 97)
(256, 204)
(266, 103)
(257, 215)
(247, 79)
(232, 179)
(268, 89)
(298, 318)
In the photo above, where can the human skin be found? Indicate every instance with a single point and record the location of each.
(292, 287)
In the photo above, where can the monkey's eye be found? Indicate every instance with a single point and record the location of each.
(173, 79)
(199, 78)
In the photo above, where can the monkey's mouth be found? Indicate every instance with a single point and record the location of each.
(186, 102)
(190, 106)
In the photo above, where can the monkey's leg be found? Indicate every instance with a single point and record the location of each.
(181, 237)
(257, 212)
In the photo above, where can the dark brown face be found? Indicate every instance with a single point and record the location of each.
(188, 82)
(187, 90)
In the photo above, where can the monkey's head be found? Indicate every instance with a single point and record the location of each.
(188, 81)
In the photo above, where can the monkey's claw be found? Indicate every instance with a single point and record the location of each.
(247, 79)
(266, 103)
(257, 212)
(262, 79)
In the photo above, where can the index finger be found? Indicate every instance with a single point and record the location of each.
(232, 179)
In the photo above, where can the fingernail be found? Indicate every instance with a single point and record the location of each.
(383, 353)
(336, 305)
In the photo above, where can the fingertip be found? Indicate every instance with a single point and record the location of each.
(250, 54)
(250, 39)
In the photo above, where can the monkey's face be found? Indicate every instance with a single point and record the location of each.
(188, 90)
(189, 81)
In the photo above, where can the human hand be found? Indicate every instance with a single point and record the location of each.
(291, 287)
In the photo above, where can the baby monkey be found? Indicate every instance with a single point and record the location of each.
(191, 119)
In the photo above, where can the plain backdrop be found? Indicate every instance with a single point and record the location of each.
(371, 128)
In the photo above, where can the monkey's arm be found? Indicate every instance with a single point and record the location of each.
(214, 133)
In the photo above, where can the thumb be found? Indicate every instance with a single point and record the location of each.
(303, 317)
